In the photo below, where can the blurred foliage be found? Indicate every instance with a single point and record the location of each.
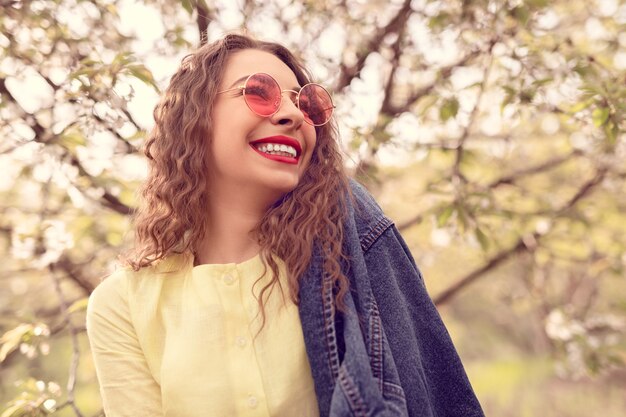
(492, 131)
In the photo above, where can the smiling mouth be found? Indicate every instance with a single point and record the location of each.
(278, 148)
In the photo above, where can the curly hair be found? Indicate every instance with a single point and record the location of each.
(171, 219)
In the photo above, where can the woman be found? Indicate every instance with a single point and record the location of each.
(263, 281)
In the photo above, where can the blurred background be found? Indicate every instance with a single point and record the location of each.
(493, 132)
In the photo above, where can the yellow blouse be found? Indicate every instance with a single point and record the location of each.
(180, 343)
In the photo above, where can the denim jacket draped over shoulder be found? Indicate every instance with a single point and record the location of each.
(389, 354)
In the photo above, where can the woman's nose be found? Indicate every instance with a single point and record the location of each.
(288, 113)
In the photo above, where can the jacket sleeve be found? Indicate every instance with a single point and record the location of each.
(126, 383)
(419, 341)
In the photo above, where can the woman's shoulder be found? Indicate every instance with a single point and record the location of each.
(363, 199)
(112, 292)
(123, 285)
(369, 218)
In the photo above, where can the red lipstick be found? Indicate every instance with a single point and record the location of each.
(280, 140)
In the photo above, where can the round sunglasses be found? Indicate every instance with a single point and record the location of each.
(263, 96)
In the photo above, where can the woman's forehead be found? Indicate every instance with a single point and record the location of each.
(249, 61)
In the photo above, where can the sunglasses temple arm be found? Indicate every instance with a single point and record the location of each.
(231, 89)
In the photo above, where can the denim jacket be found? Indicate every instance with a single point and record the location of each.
(389, 354)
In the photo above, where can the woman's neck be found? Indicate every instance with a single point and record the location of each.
(230, 222)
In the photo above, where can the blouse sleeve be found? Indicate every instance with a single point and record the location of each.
(126, 383)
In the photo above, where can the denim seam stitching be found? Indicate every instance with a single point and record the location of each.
(329, 330)
(352, 394)
(376, 344)
(394, 390)
(378, 229)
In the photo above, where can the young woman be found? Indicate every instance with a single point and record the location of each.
(263, 281)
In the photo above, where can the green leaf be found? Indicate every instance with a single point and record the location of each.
(509, 90)
(537, 4)
(122, 59)
(543, 81)
(463, 216)
(449, 109)
(510, 94)
(591, 90)
(600, 116)
(138, 135)
(583, 69)
(439, 21)
(89, 72)
(78, 305)
(444, 216)
(521, 14)
(12, 339)
(476, 84)
(482, 238)
(88, 62)
(581, 105)
(16, 410)
(144, 74)
(425, 104)
(72, 138)
(188, 5)
(380, 135)
(111, 8)
(611, 130)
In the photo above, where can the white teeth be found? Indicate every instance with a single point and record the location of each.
(275, 147)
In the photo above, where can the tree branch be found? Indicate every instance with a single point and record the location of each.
(395, 62)
(43, 136)
(524, 243)
(395, 25)
(411, 222)
(584, 190)
(71, 381)
(108, 199)
(71, 270)
(494, 262)
(456, 170)
(444, 73)
(552, 163)
(131, 119)
(130, 148)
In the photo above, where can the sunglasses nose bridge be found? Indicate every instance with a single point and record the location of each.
(292, 98)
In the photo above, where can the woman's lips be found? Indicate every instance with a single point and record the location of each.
(281, 140)
(278, 140)
(278, 158)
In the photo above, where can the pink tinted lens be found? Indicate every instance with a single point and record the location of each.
(316, 104)
(262, 94)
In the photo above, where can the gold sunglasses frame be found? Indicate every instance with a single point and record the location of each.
(297, 101)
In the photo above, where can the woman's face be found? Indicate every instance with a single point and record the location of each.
(239, 158)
